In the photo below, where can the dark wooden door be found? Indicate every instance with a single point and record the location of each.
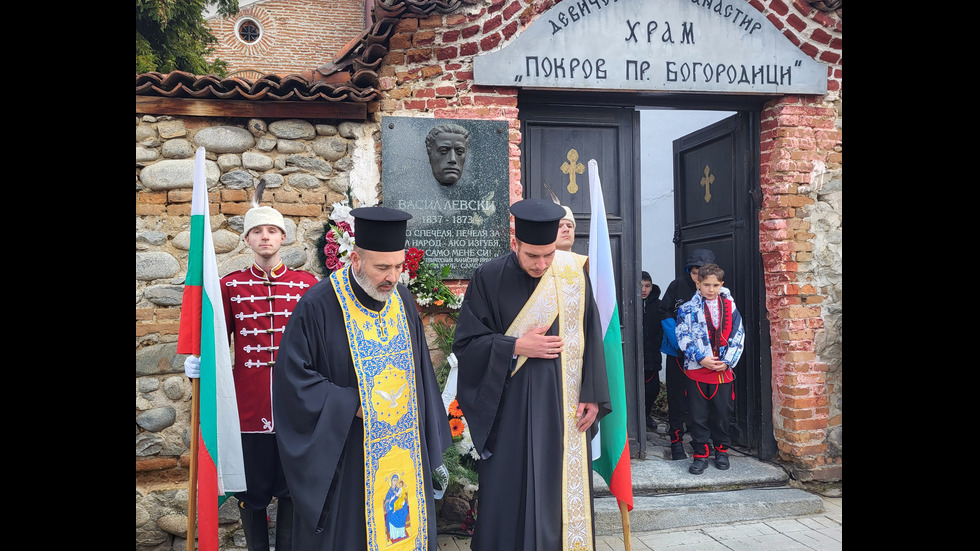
(558, 142)
(716, 208)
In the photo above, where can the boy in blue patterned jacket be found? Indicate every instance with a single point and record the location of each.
(709, 331)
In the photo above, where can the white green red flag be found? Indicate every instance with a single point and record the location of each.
(221, 470)
(613, 461)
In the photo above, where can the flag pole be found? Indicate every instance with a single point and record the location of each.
(192, 483)
(626, 524)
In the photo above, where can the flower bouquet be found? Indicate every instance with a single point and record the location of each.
(425, 281)
(338, 238)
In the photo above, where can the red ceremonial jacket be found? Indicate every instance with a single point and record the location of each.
(257, 307)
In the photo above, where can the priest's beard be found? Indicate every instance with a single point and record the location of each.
(372, 291)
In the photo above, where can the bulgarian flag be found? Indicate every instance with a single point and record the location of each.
(221, 470)
(613, 461)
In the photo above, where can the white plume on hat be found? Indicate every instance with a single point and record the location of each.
(569, 215)
(262, 216)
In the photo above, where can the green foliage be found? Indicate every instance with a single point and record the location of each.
(426, 281)
(172, 35)
(461, 470)
(445, 333)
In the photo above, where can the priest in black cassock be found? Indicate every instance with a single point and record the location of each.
(359, 418)
(532, 382)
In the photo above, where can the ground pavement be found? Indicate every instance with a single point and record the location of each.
(817, 530)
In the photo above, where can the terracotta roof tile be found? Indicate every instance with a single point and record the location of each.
(179, 84)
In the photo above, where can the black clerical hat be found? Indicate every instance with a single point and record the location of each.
(536, 221)
(379, 228)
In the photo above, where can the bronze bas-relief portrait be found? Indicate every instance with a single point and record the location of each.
(446, 145)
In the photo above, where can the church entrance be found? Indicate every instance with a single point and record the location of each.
(562, 132)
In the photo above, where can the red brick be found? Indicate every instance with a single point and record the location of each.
(431, 71)
(779, 7)
(424, 38)
(418, 55)
(400, 42)
(152, 197)
(509, 30)
(820, 36)
(431, 22)
(490, 42)
(407, 24)
(492, 24)
(830, 57)
(443, 54)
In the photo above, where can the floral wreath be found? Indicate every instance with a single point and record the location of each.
(424, 279)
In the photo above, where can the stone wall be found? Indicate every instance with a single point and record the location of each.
(307, 167)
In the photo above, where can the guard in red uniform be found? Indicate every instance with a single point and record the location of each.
(258, 302)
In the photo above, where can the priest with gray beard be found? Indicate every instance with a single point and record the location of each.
(357, 405)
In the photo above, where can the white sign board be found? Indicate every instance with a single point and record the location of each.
(718, 46)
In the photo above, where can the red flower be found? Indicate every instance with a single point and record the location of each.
(331, 251)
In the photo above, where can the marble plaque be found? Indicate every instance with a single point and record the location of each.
(456, 188)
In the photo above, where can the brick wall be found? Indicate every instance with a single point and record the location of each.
(429, 72)
(297, 35)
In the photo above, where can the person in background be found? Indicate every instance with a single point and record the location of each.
(566, 231)
(258, 302)
(678, 292)
(653, 334)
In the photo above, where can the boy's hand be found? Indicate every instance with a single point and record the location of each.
(713, 363)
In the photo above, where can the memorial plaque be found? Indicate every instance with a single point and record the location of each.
(455, 185)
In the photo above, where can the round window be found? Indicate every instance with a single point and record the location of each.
(249, 30)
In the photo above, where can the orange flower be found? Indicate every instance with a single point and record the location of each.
(438, 302)
(454, 409)
(456, 426)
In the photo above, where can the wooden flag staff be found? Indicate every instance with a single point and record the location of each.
(192, 483)
(626, 524)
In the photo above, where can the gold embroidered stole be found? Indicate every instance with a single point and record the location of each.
(561, 293)
(381, 348)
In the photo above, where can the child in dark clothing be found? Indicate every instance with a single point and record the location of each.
(653, 334)
(709, 331)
